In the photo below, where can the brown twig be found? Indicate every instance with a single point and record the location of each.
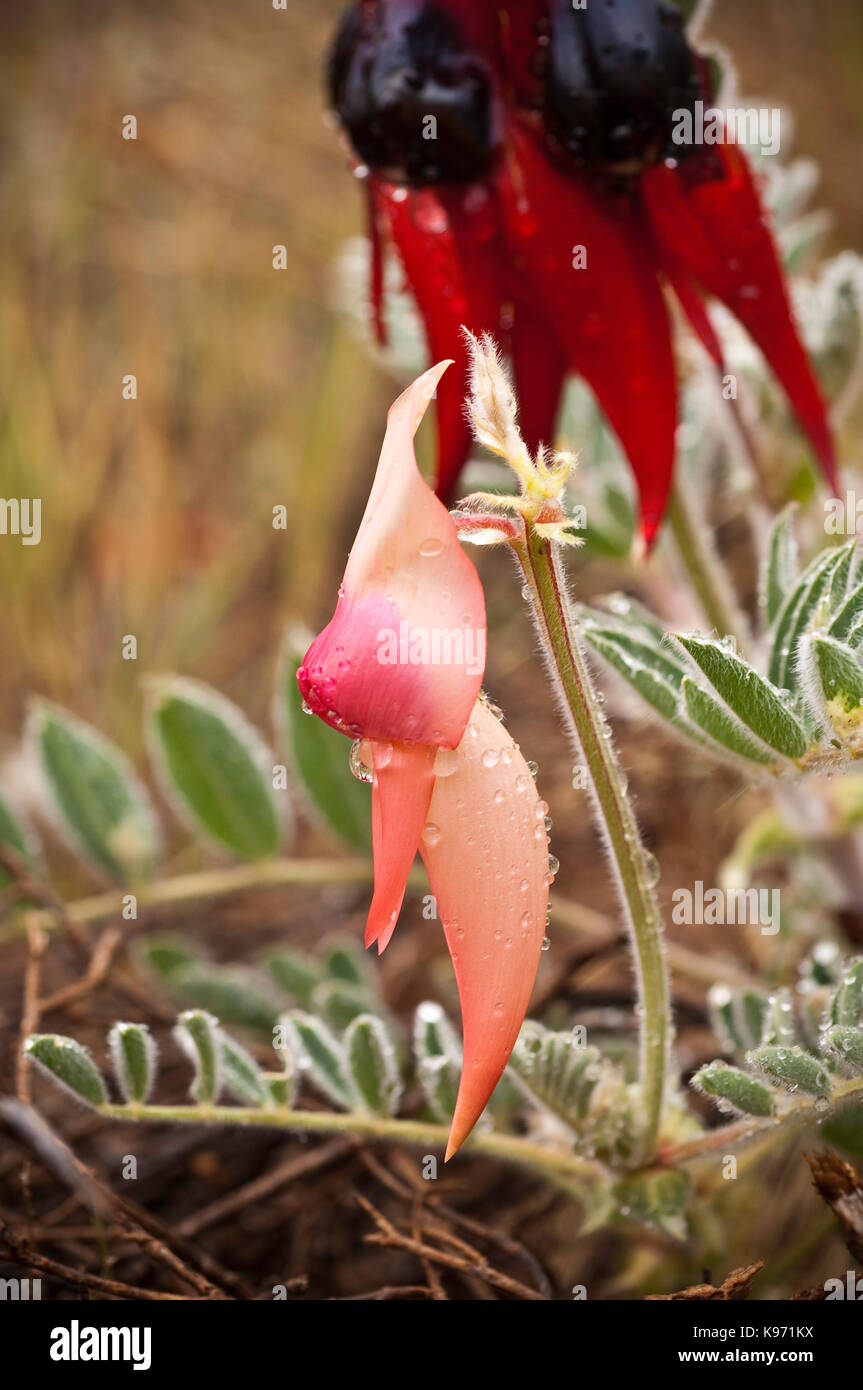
(733, 1289)
(97, 969)
(468, 1264)
(18, 1246)
(287, 1172)
(36, 946)
(838, 1185)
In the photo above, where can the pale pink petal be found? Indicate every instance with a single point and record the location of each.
(486, 850)
(402, 784)
(403, 657)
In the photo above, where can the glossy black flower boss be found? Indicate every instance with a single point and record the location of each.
(520, 158)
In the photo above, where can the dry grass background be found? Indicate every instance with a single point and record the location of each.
(154, 258)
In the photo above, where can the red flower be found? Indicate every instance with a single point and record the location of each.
(520, 159)
(447, 778)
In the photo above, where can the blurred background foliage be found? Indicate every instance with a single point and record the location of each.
(154, 257)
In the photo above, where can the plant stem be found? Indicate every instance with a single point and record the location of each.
(749, 1127)
(706, 570)
(508, 1146)
(633, 869)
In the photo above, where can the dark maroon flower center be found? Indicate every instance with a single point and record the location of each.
(615, 74)
(415, 101)
(418, 103)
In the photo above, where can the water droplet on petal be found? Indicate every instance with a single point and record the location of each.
(431, 547)
(446, 762)
(431, 833)
(358, 767)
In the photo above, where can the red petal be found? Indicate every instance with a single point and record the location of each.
(540, 366)
(693, 307)
(486, 851)
(719, 231)
(610, 317)
(401, 791)
(445, 239)
(403, 656)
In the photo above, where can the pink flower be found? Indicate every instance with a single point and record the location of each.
(399, 666)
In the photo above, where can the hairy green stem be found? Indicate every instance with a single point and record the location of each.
(633, 868)
(554, 1163)
(706, 570)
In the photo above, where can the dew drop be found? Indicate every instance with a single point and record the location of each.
(431, 547)
(446, 762)
(431, 833)
(358, 767)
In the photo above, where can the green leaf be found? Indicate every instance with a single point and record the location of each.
(746, 1093)
(823, 965)
(346, 962)
(68, 1063)
(655, 676)
(780, 566)
(93, 796)
(757, 703)
(737, 1017)
(840, 677)
(339, 1003)
(133, 1052)
(797, 612)
(844, 1128)
(241, 1075)
(214, 766)
(660, 1197)
(847, 1043)
(557, 1070)
(433, 1034)
(296, 973)
(373, 1065)
(289, 1084)
(320, 758)
(15, 837)
(167, 954)
(849, 615)
(197, 1033)
(794, 1067)
(779, 1027)
(234, 993)
(437, 1054)
(279, 1089)
(714, 719)
(847, 1009)
(320, 1057)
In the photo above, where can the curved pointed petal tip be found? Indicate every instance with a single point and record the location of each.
(402, 782)
(485, 847)
(719, 234)
(403, 657)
